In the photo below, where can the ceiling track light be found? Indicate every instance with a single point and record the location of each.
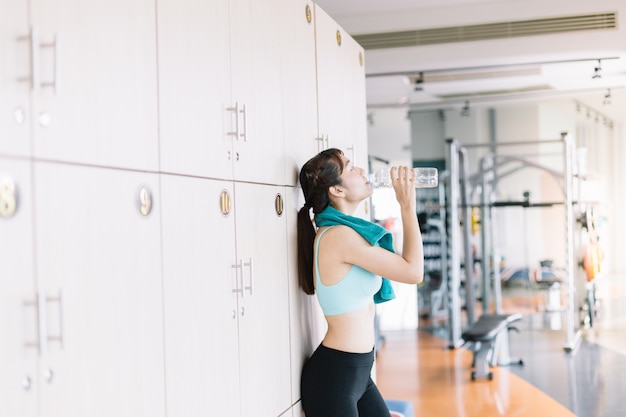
(418, 81)
(607, 121)
(597, 71)
(465, 111)
(607, 97)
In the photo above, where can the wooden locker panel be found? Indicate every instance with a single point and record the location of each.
(256, 29)
(306, 320)
(194, 88)
(264, 325)
(341, 89)
(98, 264)
(97, 99)
(341, 93)
(200, 298)
(15, 78)
(19, 348)
(299, 87)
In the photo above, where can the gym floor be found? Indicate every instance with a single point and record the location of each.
(417, 366)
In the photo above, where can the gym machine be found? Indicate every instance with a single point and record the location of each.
(459, 237)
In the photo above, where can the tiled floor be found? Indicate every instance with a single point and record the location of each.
(589, 382)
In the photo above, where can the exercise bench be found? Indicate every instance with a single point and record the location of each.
(489, 342)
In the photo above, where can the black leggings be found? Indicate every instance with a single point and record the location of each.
(338, 384)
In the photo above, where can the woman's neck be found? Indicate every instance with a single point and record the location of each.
(345, 208)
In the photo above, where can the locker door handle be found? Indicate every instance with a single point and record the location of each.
(237, 267)
(35, 303)
(244, 135)
(59, 337)
(320, 143)
(56, 44)
(249, 264)
(236, 111)
(33, 40)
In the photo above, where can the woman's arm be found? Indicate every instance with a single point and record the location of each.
(407, 267)
(412, 246)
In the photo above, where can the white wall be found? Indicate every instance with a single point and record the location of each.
(389, 134)
(389, 137)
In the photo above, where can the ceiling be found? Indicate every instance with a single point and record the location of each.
(468, 72)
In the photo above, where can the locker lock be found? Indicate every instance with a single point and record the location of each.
(279, 205)
(8, 198)
(225, 203)
(144, 200)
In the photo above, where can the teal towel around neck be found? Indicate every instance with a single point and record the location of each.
(373, 233)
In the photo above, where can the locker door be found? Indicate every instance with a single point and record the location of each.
(96, 100)
(194, 88)
(264, 321)
(99, 271)
(201, 278)
(299, 86)
(307, 322)
(341, 89)
(341, 93)
(15, 78)
(19, 347)
(256, 67)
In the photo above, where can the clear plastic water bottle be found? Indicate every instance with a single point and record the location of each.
(425, 178)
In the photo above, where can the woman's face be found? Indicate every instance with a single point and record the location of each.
(354, 181)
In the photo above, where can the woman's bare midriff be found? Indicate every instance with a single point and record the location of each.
(351, 332)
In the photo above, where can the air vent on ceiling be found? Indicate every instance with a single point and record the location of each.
(488, 31)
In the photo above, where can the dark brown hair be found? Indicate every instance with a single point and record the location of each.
(316, 176)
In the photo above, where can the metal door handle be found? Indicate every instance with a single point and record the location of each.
(236, 111)
(35, 303)
(58, 299)
(56, 44)
(244, 135)
(33, 78)
(320, 142)
(237, 267)
(249, 264)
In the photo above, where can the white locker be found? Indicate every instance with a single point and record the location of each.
(302, 140)
(264, 303)
(306, 319)
(342, 112)
(200, 299)
(341, 89)
(221, 92)
(99, 275)
(194, 88)
(95, 89)
(15, 79)
(256, 29)
(19, 307)
(226, 300)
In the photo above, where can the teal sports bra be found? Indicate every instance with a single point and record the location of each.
(353, 292)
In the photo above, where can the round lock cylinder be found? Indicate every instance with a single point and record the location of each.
(8, 197)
